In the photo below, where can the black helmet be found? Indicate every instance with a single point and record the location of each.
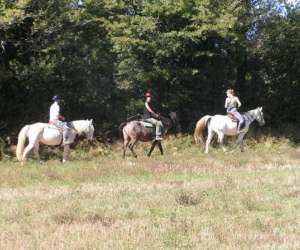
(55, 98)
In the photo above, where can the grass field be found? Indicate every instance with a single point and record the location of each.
(183, 200)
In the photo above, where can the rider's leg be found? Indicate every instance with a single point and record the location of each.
(158, 127)
(240, 118)
(158, 131)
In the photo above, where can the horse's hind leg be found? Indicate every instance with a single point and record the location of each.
(208, 140)
(221, 140)
(131, 145)
(28, 148)
(126, 142)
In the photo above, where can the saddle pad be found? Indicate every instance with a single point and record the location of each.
(51, 126)
(147, 124)
(232, 117)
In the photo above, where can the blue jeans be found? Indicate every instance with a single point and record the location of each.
(236, 114)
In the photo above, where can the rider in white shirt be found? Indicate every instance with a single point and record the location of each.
(57, 119)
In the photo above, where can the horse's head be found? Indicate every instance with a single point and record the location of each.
(175, 122)
(171, 122)
(259, 116)
(89, 130)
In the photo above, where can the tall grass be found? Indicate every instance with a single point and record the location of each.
(182, 200)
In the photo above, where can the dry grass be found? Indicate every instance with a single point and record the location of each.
(183, 200)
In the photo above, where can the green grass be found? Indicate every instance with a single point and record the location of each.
(183, 200)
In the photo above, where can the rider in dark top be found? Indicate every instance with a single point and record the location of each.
(152, 117)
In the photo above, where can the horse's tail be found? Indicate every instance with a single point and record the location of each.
(21, 142)
(122, 125)
(200, 126)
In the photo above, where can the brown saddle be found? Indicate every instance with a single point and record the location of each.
(232, 117)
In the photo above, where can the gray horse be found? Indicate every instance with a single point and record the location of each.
(135, 131)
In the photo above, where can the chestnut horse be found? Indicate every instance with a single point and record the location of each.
(139, 130)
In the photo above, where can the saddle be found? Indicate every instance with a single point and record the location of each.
(146, 124)
(232, 117)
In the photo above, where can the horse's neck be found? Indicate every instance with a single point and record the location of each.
(250, 116)
(167, 122)
(78, 125)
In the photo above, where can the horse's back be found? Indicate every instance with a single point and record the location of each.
(223, 123)
(139, 129)
(47, 133)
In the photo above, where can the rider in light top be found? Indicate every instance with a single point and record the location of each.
(152, 117)
(57, 119)
(232, 103)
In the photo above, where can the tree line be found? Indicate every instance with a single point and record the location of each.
(102, 55)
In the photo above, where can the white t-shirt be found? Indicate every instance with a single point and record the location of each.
(54, 112)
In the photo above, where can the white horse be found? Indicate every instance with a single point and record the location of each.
(50, 135)
(224, 125)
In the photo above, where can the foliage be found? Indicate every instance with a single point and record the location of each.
(102, 55)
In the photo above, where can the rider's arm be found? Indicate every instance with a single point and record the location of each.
(226, 103)
(238, 102)
(150, 110)
(61, 117)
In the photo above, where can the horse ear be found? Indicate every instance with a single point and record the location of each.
(91, 121)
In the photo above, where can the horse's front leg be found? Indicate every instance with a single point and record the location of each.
(36, 151)
(221, 141)
(152, 147)
(240, 141)
(66, 152)
(160, 148)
